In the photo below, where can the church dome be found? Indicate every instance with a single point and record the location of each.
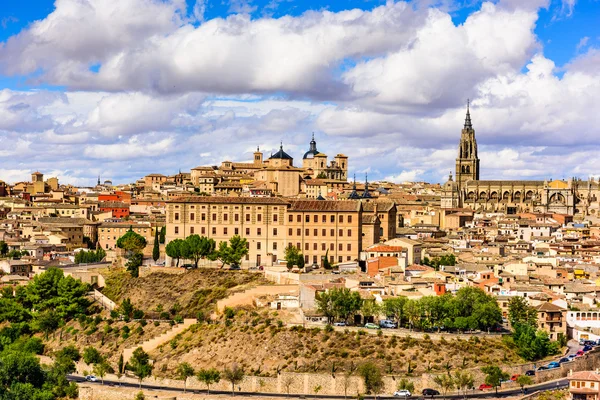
(282, 155)
(312, 151)
(450, 185)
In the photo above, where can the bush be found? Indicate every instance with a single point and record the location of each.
(138, 314)
(140, 396)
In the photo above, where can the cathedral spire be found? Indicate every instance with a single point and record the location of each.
(468, 124)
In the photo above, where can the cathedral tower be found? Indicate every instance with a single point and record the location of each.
(467, 163)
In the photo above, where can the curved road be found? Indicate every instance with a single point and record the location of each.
(558, 384)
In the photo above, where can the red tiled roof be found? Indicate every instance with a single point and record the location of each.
(585, 376)
(384, 249)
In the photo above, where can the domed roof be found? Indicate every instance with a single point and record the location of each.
(312, 151)
(281, 154)
(450, 185)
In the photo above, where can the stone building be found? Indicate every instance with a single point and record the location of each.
(511, 197)
(317, 228)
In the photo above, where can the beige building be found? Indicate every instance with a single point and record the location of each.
(584, 385)
(316, 228)
(552, 319)
(110, 232)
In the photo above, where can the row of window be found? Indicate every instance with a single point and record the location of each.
(236, 217)
(259, 218)
(236, 231)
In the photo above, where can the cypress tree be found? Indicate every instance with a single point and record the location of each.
(156, 249)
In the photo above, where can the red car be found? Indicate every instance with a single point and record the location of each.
(514, 377)
(484, 386)
(579, 353)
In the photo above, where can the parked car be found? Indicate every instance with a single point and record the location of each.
(370, 325)
(553, 365)
(571, 357)
(430, 392)
(484, 386)
(581, 342)
(234, 267)
(564, 360)
(579, 353)
(587, 348)
(91, 378)
(339, 323)
(386, 323)
(542, 368)
(401, 393)
(530, 372)
(514, 377)
(589, 343)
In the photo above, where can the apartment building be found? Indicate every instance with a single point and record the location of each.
(316, 228)
(110, 232)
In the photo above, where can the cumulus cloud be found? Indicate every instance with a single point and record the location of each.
(151, 90)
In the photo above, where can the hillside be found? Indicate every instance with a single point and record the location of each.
(262, 346)
(194, 291)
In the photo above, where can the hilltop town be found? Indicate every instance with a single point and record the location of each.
(275, 237)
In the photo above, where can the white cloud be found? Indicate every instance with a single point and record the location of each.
(405, 176)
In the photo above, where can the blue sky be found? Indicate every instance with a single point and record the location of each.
(139, 86)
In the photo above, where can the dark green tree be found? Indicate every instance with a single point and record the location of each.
(494, 376)
(163, 234)
(520, 312)
(3, 248)
(199, 247)
(394, 308)
(231, 253)
(174, 249)
(133, 244)
(156, 248)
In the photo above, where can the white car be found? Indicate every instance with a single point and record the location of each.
(340, 323)
(91, 378)
(402, 393)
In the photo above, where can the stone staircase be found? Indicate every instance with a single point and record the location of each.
(151, 344)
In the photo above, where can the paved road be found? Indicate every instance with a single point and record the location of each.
(562, 383)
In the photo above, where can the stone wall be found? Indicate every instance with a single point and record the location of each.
(247, 296)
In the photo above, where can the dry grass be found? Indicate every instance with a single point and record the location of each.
(256, 342)
(195, 290)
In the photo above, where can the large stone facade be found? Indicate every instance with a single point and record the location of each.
(570, 197)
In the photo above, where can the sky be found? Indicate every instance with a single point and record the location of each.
(120, 89)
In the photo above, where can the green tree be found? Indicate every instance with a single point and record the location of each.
(3, 248)
(91, 355)
(199, 247)
(163, 234)
(101, 368)
(140, 365)
(131, 242)
(120, 366)
(370, 308)
(444, 382)
(405, 384)
(291, 256)
(372, 377)
(394, 307)
(231, 253)
(156, 247)
(46, 322)
(340, 303)
(524, 380)
(464, 381)
(208, 377)
(533, 344)
(184, 371)
(520, 312)
(494, 376)
(174, 249)
(233, 375)
(126, 308)
(326, 263)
